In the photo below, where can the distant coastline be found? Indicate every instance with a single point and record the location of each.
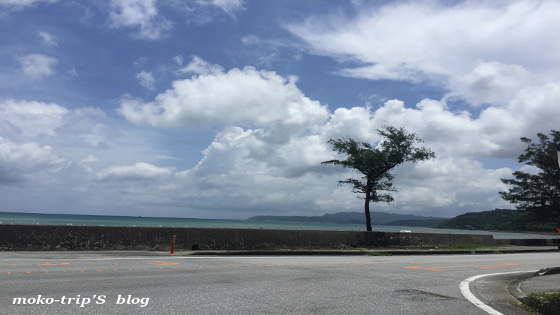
(378, 218)
(8, 218)
(341, 218)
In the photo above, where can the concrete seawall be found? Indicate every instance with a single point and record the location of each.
(43, 237)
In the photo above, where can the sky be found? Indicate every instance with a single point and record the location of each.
(223, 108)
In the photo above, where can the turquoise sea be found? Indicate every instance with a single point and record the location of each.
(99, 220)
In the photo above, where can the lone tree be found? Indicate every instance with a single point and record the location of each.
(375, 163)
(538, 194)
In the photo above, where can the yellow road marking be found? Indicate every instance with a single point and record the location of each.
(431, 266)
(49, 264)
(426, 268)
(161, 263)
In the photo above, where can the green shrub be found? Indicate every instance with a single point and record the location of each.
(543, 303)
(468, 246)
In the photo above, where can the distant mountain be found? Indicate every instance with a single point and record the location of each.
(377, 218)
(433, 222)
(499, 219)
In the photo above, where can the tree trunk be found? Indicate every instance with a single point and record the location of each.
(366, 206)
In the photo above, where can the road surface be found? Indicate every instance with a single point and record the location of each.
(126, 282)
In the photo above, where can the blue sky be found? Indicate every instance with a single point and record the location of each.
(223, 108)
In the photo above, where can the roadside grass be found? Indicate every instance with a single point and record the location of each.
(381, 254)
(468, 246)
(542, 303)
(455, 246)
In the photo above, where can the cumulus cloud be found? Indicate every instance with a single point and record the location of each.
(257, 161)
(266, 158)
(74, 133)
(29, 120)
(449, 185)
(18, 162)
(37, 66)
(200, 66)
(480, 50)
(240, 96)
(141, 15)
(457, 182)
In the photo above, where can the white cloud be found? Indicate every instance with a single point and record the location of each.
(146, 80)
(494, 82)
(21, 4)
(141, 15)
(445, 185)
(48, 39)
(18, 162)
(138, 171)
(268, 155)
(228, 6)
(480, 50)
(37, 66)
(28, 120)
(179, 60)
(74, 133)
(200, 66)
(240, 96)
(453, 184)
(207, 11)
(144, 17)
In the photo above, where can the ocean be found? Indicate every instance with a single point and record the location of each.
(100, 220)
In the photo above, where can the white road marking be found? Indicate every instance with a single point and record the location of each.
(465, 289)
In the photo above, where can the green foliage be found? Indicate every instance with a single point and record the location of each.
(499, 219)
(538, 194)
(468, 246)
(542, 303)
(374, 163)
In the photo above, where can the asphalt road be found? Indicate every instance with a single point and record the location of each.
(154, 283)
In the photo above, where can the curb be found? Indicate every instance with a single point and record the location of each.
(368, 252)
(523, 297)
(515, 287)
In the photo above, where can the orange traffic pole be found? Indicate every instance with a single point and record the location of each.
(172, 246)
